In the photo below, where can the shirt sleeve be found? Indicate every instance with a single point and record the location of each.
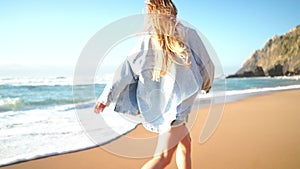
(123, 76)
(203, 60)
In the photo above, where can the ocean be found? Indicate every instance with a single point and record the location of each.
(38, 115)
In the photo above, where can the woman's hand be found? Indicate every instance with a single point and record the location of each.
(99, 107)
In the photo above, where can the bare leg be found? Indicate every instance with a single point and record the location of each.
(183, 153)
(161, 161)
(167, 144)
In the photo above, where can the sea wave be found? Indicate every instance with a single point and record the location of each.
(46, 81)
(37, 81)
(8, 104)
(17, 104)
(288, 77)
(248, 91)
(32, 134)
(260, 90)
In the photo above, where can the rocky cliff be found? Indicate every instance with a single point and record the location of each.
(280, 56)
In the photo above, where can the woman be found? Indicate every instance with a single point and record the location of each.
(161, 81)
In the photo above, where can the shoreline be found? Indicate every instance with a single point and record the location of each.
(290, 96)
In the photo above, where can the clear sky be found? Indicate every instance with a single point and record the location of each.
(46, 37)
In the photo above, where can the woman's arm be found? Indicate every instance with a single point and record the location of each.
(123, 76)
(206, 66)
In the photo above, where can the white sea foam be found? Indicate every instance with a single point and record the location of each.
(248, 91)
(52, 81)
(10, 104)
(288, 77)
(9, 101)
(259, 90)
(30, 134)
(36, 81)
(26, 135)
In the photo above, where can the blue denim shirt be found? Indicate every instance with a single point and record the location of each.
(159, 103)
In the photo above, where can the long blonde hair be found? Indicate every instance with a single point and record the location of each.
(167, 38)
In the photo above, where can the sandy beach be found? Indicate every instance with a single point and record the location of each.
(256, 133)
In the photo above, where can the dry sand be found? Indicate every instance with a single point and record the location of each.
(261, 132)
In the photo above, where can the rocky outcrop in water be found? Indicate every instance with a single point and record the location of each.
(279, 57)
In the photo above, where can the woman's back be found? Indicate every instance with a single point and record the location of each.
(172, 96)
